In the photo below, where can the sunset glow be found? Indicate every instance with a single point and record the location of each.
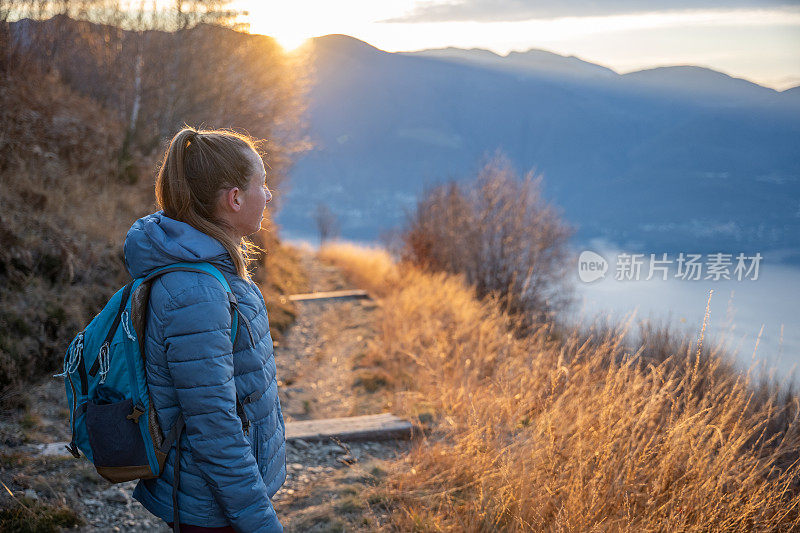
(758, 44)
(291, 23)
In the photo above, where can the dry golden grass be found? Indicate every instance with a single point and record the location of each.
(370, 268)
(62, 217)
(575, 430)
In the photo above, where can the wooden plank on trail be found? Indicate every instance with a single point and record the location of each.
(344, 295)
(351, 428)
(384, 426)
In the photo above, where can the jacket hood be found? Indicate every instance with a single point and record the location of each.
(155, 240)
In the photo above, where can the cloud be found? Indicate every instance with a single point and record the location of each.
(516, 10)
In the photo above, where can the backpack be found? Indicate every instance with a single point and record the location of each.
(112, 419)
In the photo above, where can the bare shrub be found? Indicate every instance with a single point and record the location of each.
(327, 223)
(501, 234)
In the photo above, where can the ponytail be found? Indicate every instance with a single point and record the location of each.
(196, 167)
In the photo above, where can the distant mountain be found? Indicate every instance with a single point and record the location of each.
(679, 81)
(791, 96)
(699, 81)
(672, 158)
(539, 62)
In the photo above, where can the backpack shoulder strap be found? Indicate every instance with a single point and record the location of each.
(204, 267)
(141, 295)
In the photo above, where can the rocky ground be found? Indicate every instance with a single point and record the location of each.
(327, 485)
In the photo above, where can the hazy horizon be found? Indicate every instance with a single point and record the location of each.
(757, 41)
(795, 83)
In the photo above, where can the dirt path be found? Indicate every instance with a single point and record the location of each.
(316, 361)
(325, 481)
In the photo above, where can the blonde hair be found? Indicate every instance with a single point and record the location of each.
(197, 166)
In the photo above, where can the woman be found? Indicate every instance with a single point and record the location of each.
(212, 193)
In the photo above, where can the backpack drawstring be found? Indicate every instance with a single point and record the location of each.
(124, 319)
(105, 361)
(74, 357)
(72, 362)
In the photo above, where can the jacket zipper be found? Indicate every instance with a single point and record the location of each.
(255, 443)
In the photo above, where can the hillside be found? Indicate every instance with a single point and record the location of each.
(57, 266)
(65, 208)
(570, 429)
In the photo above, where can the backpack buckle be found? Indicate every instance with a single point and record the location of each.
(137, 412)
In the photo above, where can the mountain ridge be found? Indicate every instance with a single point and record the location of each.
(485, 56)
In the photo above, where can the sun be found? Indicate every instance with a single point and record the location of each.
(289, 41)
(287, 23)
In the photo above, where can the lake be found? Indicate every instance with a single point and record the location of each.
(757, 319)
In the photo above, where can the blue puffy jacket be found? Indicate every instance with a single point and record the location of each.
(226, 477)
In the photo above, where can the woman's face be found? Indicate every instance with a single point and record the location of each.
(245, 208)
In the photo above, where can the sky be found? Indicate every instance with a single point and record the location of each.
(754, 39)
